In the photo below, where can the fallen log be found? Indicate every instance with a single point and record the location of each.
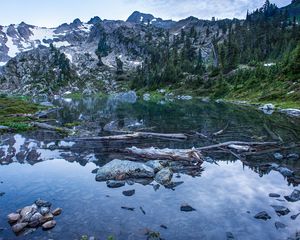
(51, 128)
(167, 154)
(179, 136)
(236, 144)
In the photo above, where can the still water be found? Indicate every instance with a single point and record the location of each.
(226, 195)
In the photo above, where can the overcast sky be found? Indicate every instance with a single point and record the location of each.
(51, 13)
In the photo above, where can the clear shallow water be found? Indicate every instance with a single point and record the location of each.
(43, 165)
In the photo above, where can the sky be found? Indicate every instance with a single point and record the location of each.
(51, 13)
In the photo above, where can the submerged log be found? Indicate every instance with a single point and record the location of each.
(132, 135)
(167, 154)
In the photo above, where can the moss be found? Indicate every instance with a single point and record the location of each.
(11, 106)
(72, 124)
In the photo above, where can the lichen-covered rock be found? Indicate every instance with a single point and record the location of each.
(122, 169)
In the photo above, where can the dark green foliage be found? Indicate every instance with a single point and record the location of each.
(119, 66)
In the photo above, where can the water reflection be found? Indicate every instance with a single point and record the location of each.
(222, 194)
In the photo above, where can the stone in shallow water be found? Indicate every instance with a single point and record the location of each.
(186, 208)
(49, 225)
(294, 217)
(19, 227)
(293, 156)
(27, 213)
(128, 193)
(44, 210)
(13, 217)
(164, 176)
(115, 184)
(279, 225)
(280, 210)
(42, 203)
(262, 215)
(278, 156)
(48, 217)
(229, 236)
(127, 169)
(56, 211)
(294, 197)
(274, 195)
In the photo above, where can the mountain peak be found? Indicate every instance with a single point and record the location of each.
(138, 17)
(94, 20)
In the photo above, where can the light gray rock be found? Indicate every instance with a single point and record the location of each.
(164, 176)
(123, 169)
(13, 217)
(292, 112)
(278, 156)
(49, 225)
(57, 211)
(44, 210)
(115, 184)
(155, 165)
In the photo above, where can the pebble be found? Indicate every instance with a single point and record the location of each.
(128, 193)
(186, 208)
(262, 215)
(49, 224)
(163, 226)
(274, 195)
(48, 217)
(57, 211)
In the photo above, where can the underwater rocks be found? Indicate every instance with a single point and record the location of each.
(274, 195)
(128, 193)
(38, 214)
(262, 215)
(187, 208)
(280, 210)
(294, 197)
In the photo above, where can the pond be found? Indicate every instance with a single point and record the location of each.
(226, 195)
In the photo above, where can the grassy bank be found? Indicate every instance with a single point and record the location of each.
(13, 112)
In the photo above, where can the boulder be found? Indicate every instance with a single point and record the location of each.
(294, 197)
(121, 170)
(46, 218)
(13, 217)
(44, 210)
(42, 203)
(27, 213)
(164, 176)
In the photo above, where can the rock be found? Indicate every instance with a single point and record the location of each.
(294, 217)
(35, 220)
(128, 208)
(278, 156)
(293, 156)
(268, 108)
(19, 227)
(229, 236)
(294, 197)
(115, 184)
(155, 165)
(186, 208)
(209, 160)
(44, 210)
(42, 203)
(27, 213)
(4, 128)
(95, 171)
(13, 217)
(2, 194)
(163, 226)
(128, 193)
(146, 97)
(279, 225)
(127, 169)
(263, 216)
(280, 210)
(285, 171)
(164, 176)
(47, 104)
(49, 224)
(239, 148)
(46, 218)
(274, 195)
(56, 211)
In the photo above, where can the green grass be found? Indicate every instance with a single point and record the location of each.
(11, 106)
